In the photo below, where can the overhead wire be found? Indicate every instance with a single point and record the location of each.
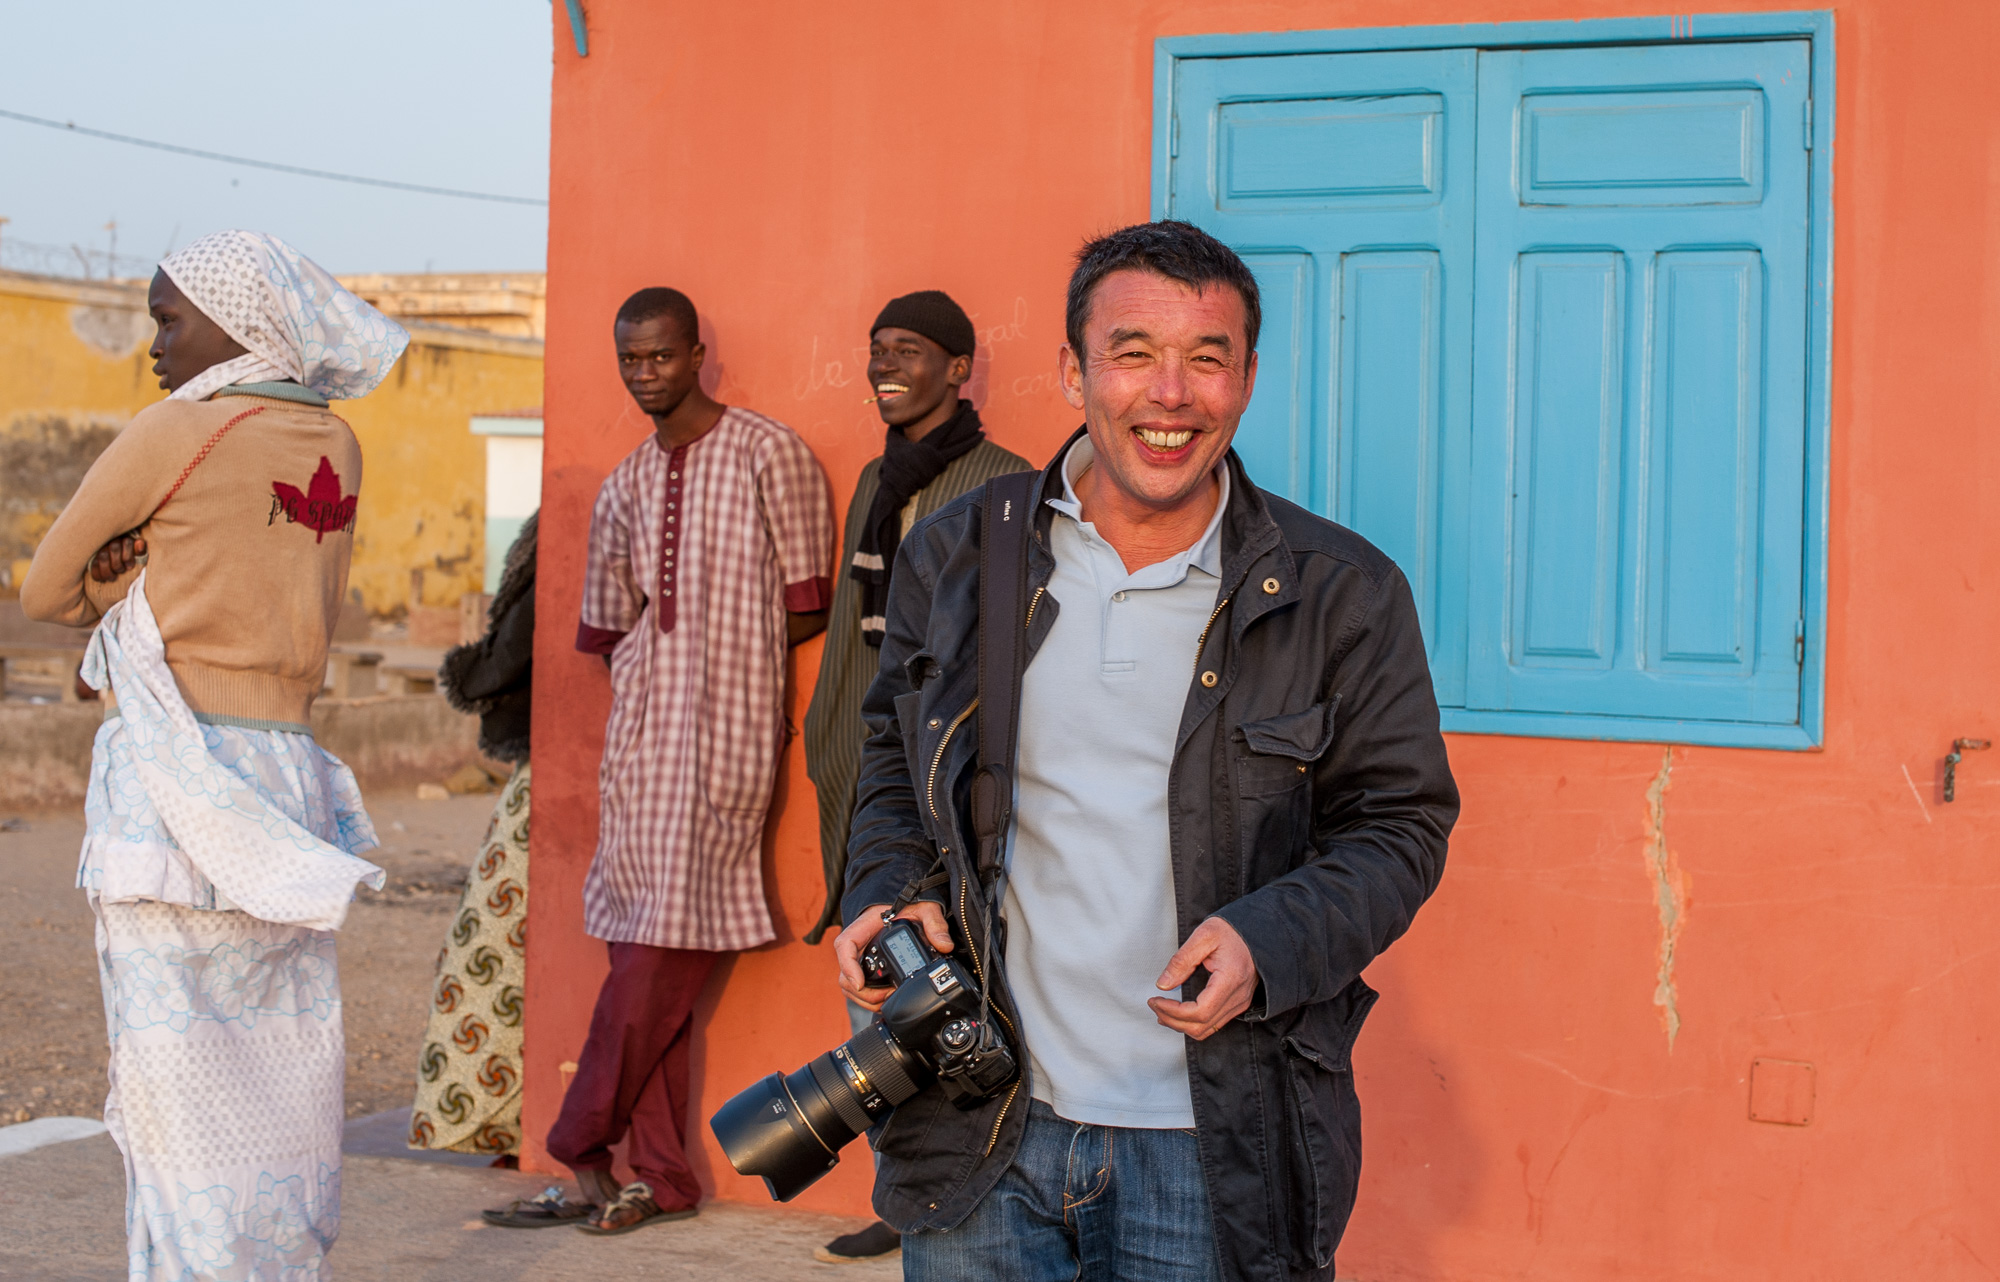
(73, 127)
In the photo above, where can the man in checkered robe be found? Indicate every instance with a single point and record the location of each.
(709, 552)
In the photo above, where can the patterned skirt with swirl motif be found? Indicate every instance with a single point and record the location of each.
(469, 1074)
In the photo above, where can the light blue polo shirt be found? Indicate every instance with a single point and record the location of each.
(1090, 890)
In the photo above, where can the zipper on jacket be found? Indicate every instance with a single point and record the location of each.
(937, 759)
(978, 969)
(1001, 1116)
(1202, 644)
(979, 972)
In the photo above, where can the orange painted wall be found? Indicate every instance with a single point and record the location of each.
(792, 165)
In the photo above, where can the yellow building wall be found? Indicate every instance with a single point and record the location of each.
(73, 369)
(75, 348)
(420, 529)
(73, 354)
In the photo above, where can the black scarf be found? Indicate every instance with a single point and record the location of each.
(907, 466)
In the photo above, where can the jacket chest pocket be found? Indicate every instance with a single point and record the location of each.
(1274, 789)
(1324, 1132)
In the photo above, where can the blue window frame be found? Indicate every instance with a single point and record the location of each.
(1546, 318)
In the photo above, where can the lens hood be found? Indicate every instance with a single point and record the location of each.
(764, 1132)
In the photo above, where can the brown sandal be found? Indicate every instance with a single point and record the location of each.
(544, 1212)
(633, 1208)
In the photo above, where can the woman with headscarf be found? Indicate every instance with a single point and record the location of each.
(209, 545)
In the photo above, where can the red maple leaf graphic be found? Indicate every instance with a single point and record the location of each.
(321, 508)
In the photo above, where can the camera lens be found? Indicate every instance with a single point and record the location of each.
(763, 1131)
(790, 1129)
(876, 1066)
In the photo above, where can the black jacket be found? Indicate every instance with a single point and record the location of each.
(1311, 801)
(493, 678)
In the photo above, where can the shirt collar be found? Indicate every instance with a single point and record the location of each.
(1205, 555)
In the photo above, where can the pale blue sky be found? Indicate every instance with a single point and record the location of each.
(448, 93)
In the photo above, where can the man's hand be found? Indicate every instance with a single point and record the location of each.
(860, 933)
(117, 557)
(1232, 980)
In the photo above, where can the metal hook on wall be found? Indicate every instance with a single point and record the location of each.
(1951, 759)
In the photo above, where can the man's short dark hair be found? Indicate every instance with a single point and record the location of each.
(661, 301)
(1177, 250)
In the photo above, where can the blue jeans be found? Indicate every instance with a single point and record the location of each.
(1084, 1203)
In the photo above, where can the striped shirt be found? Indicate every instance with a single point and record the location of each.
(833, 724)
(695, 556)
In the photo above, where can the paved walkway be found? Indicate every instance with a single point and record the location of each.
(415, 1221)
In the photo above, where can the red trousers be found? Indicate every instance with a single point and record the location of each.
(633, 1072)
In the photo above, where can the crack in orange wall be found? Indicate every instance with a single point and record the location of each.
(1670, 886)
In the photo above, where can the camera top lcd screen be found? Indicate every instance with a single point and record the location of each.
(903, 949)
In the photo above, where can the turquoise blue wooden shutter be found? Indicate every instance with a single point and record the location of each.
(1639, 382)
(1346, 182)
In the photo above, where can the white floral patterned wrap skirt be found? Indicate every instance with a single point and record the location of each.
(218, 860)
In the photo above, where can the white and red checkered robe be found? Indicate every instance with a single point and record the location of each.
(695, 556)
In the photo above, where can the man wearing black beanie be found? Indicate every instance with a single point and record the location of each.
(920, 352)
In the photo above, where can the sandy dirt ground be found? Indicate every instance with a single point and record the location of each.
(52, 1056)
(406, 1221)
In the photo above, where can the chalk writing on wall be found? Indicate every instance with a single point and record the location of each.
(1035, 384)
(823, 373)
(1016, 326)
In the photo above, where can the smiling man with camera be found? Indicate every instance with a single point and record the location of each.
(1154, 759)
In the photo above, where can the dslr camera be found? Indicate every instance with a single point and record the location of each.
(790, 1128)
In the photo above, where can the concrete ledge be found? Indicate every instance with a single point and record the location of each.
(130, 295)
(390, 741)
(25, 1137)
(45, 752)
(397, 741)
(383, 1135)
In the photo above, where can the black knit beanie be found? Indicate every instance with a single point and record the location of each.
(931, 312)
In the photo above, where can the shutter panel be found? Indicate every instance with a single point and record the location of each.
(1275, 437)
(1639, 382)
(1346, 182)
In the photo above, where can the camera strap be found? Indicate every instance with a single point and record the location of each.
(1008, 519)
(1003, 575)
(1003, 582)
(915, 889)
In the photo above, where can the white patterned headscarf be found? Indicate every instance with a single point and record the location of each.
(294, 321)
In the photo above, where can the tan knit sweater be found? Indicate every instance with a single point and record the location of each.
(247, 508)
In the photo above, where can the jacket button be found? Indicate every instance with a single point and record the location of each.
(1270, 587)
(934, 723)
(1208, 680)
